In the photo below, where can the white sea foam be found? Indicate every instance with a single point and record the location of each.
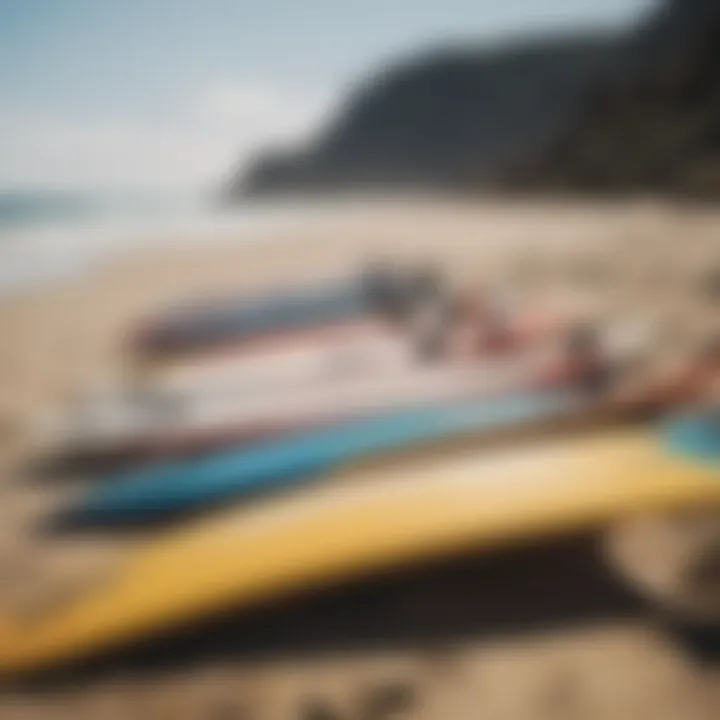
(51, 249)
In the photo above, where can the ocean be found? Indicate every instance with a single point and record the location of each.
(50, 237)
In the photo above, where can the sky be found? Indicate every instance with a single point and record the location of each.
(177, 93)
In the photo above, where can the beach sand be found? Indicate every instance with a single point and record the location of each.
(641, 259)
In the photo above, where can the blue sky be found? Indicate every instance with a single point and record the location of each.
(171, 92)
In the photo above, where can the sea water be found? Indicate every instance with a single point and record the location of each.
(49, 237)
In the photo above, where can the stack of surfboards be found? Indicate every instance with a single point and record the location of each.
(475, 414)
(283, 385)
(382, 517)
(411, 450)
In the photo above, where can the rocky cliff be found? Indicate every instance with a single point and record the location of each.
(448, 119)
(633, 112)
(656, 126)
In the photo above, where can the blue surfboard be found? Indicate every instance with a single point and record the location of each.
(177, 487)
(267, 314)
(243, 318)
(696, 437)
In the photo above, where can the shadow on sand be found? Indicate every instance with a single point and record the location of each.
(528, 589)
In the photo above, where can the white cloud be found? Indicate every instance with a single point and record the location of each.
(221, 125)
(260, 107)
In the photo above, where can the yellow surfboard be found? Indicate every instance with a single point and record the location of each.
(370, 520)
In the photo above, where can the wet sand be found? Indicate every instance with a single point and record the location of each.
(638, 259)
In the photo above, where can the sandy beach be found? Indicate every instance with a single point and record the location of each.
(638, 259)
